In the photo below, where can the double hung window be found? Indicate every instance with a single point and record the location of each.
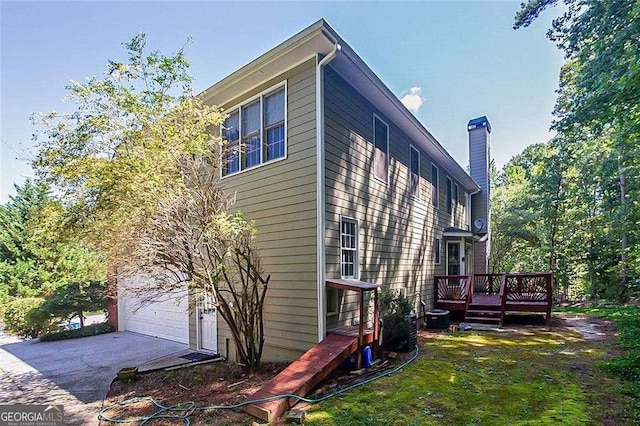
(349, 248)
(255, 133)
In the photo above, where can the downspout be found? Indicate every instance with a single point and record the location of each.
(320, 193)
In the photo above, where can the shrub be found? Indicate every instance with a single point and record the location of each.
(19, 320)
(393, 311)
(89, 330)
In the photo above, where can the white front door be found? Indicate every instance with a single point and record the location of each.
(208, 325)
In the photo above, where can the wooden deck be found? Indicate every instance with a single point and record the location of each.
(305, 373)
(491, 297)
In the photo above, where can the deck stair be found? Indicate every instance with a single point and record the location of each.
(301, 376)
(483, 313)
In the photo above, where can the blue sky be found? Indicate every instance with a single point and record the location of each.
(455, 60)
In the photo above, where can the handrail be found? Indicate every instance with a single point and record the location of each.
(470, 285)
(503, 297)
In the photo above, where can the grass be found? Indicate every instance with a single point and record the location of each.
(89, 330)
(534, 377)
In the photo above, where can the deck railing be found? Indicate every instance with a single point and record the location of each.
(526, 292)
(486, 283)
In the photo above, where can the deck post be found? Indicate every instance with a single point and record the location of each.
(376, 324)
(360, 330)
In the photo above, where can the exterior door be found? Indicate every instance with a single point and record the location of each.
(453, 258)
(208, 325)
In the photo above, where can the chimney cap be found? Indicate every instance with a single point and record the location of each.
(479, 122)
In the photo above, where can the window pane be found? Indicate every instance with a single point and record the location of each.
(449, 195)
(252, 155)
(274, 108)
(231, 128)
(275, 143)
(251, 119)
(231, 159)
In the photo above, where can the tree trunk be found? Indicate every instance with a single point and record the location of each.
(624, 242)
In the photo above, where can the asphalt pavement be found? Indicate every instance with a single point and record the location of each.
(76, 373)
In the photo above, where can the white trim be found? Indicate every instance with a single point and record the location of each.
(417, 196)
(356, 259)
(238, 107)
(437, 199)
(386, 182)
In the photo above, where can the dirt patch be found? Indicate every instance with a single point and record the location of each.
(217, 383)
(591, 329)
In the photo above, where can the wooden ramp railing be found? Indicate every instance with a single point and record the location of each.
(301, 376)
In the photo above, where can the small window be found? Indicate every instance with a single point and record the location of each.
(381, 149)
(434, 186)
(414, 172)
(348, 248)
(436, 251)
(449, 195)
(332, 301)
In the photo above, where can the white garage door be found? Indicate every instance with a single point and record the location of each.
(167, 318)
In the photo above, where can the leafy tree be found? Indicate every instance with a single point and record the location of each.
(137, 165)
(73, 299)
(598, 105)
(34, 257)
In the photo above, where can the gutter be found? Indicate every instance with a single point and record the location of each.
(320, 193)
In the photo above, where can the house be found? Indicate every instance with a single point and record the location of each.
(343, 182)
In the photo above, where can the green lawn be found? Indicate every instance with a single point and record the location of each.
(531, 377)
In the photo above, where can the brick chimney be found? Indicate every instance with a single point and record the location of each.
(479, 160)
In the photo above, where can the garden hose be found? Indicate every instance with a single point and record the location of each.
(184, 410)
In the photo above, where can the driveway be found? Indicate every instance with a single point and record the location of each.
(76, 373)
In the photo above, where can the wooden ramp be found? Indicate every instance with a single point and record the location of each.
(302, 375)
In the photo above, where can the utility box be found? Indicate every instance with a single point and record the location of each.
(438, 319)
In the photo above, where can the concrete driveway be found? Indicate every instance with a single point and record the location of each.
(76, 373)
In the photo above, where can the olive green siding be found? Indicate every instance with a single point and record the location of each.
(281, 198)
(396, 231)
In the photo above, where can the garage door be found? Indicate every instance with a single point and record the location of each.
(167, 318)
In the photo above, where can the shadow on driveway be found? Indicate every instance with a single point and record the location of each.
(76, 373)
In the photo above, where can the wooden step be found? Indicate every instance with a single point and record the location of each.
(482, 319)
(302, 375)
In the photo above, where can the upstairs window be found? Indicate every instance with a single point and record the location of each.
(274, 125)
(255, 133)
(381, 149)
(449, 195)
(434, 186)
(348, 248)
(414, 172)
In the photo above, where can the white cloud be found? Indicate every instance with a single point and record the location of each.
(413, 99)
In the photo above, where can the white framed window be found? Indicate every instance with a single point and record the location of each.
(380, 149)
(348, 248)
(449, 195)
(255, 132)
(467, 209)
(414, 172)
(435, 193)
(436, 251)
